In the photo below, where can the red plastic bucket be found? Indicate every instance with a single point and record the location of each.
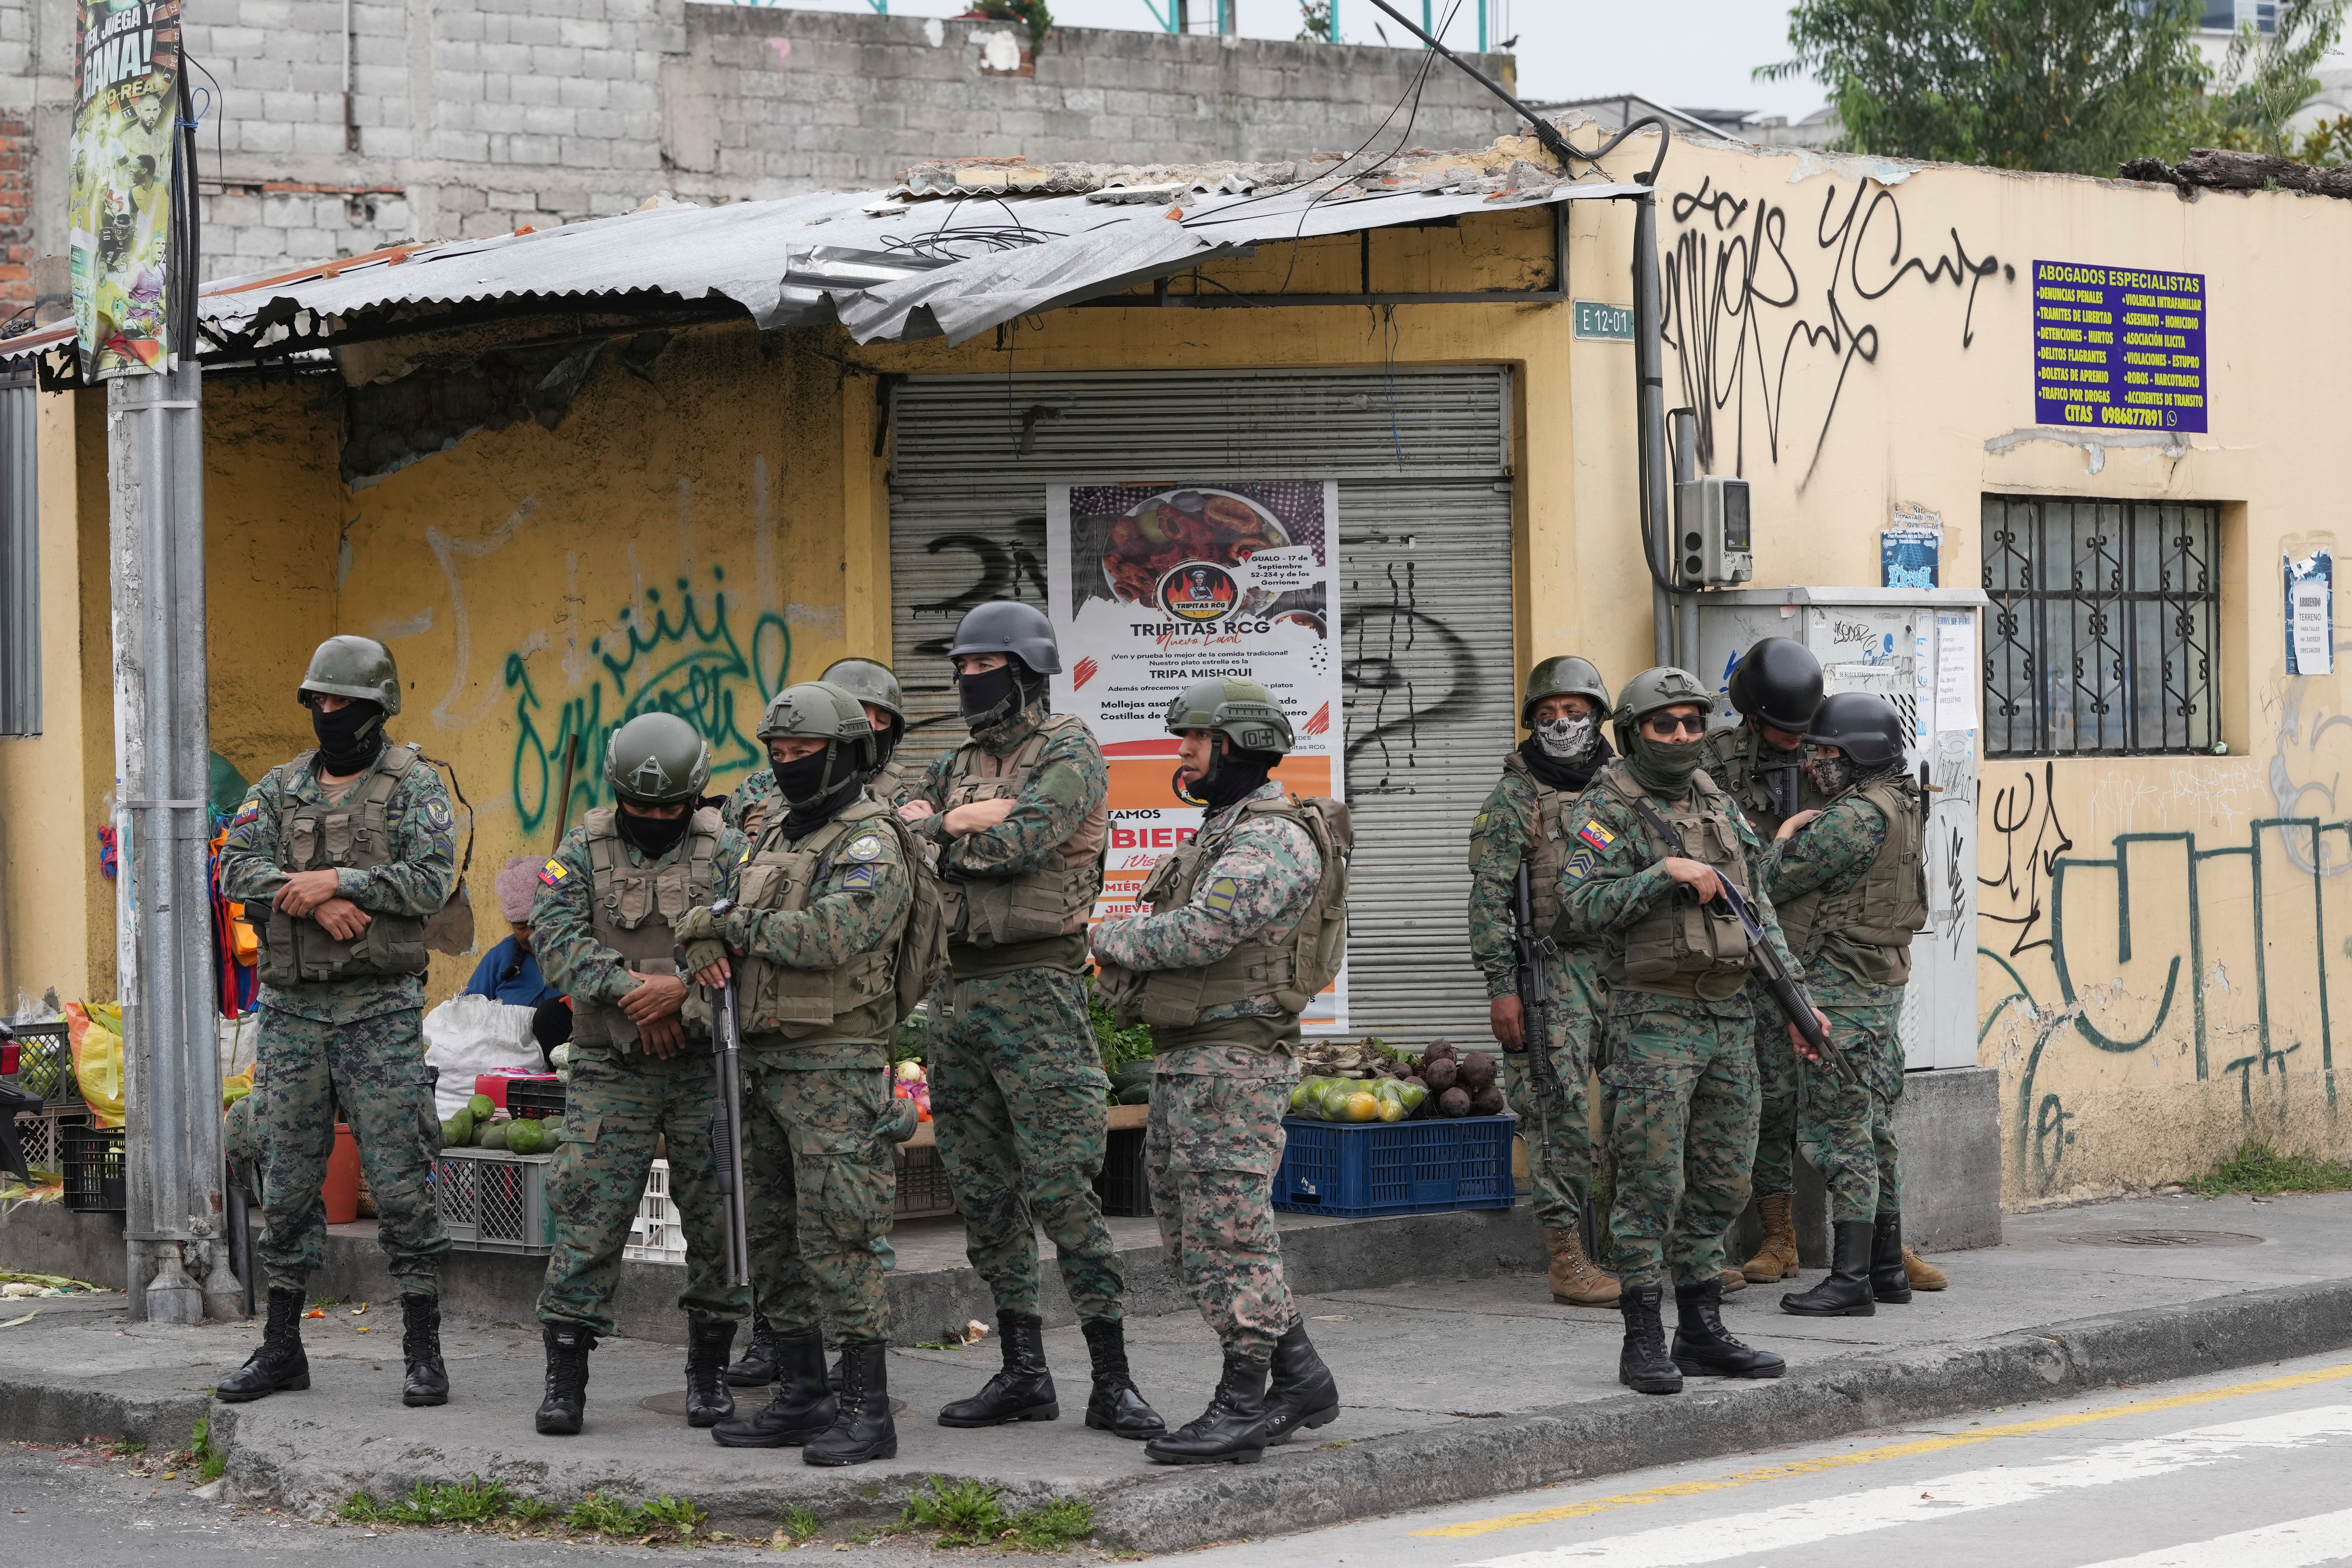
(340, 1190)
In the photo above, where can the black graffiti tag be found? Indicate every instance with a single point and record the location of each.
(2025, 818)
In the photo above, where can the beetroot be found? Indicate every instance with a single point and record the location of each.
(1477, 1071)
(1488, 1101)
(1441, 1074)
(1453, 1103)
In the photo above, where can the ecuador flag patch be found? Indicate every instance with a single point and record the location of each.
(1593, 833)
(552, 873)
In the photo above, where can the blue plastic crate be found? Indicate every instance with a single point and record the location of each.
(1355, 1169)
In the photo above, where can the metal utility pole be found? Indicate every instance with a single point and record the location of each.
(175, 1227)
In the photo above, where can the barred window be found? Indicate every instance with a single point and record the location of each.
(2101, 636)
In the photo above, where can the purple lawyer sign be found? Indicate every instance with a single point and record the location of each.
(2118, 348)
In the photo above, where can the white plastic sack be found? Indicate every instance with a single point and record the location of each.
(469, 1036)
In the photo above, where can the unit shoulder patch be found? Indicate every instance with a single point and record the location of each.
(864, 847)
(1593, 833)
(553, 872)
(437, 817)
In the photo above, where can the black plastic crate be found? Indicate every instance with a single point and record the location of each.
(93, 1169)
(45, 1063)
(1124, 1191)
(923, 1192)
(543, 1101)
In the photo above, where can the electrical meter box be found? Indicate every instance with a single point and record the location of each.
(1922, 649)
(1711, 525)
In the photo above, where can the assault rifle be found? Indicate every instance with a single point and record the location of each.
(1531, 947)
(727, 1124)
(1786, 991)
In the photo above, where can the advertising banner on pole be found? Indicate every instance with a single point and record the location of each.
(125, 130)
(1152, 586)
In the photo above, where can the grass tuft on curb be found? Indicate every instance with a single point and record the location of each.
(2259, 1170)
(971, 1513)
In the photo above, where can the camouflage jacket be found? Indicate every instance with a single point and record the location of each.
(1731, 756)
(1071, 779)
(1614, 878)
(417, 880)
(1258, 878)
(1499, 838)
(1830, 855)
(571, 957)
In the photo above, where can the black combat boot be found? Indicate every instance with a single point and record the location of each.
(760, 1366)
(1643, 1365)
(1846, 1292)
(1703, 1348)
(1116, 1407)
(1023, 1391)
(707, 1400)
(561, 1413)
(420, 1345)
(1231, 1430)
(1889, 1280)
(862, 1428)
(1302, 1393)
(801, 1406)
(279, 1362)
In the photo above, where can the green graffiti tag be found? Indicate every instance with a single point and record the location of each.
(689, 663)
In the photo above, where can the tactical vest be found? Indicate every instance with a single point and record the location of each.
(1292, 968)
(1059, 899)
(353, 833)
(632, 909)
(1887, 903)
(779, 999)
(1684, 948)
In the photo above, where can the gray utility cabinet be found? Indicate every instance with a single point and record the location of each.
(1922, 649)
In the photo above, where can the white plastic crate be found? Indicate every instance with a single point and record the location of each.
(491, 1201)
(655, 1236)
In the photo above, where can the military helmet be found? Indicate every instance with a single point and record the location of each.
(820, 710)
(1861, 724)
(1778, 680)
(353, 666)
(1009, 627)
(657, 759)
(1663, 687)
(1566, 676)
(869, 682)
(1241, 711)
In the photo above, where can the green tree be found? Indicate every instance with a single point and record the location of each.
(2076, 86)
(2267, 78)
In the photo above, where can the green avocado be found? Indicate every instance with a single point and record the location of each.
(1136, 1094)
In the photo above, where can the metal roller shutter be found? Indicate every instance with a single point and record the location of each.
(1424, 463)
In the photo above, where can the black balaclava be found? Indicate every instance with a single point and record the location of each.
(350, 737)
(809, 805)
(652, 836)
(994, 696)
(1233, 775)
(1555, 773)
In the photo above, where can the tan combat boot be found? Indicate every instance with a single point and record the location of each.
(1775, 1259)
(1923, 1275)
(1576, 1281)
(1732, 1280)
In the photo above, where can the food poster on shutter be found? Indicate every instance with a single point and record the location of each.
(1153, 586)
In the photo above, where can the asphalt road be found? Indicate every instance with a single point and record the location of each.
(2245, 1470)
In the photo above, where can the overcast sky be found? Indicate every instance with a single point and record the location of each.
(1690, 53)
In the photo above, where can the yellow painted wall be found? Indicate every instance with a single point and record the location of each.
(690, 538)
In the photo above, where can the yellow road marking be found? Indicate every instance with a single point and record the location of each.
(1873, 1456)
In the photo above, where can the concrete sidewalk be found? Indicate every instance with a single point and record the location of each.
(1456, 1386)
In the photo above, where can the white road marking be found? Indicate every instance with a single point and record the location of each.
(2299, 1543)
(1793, 1525)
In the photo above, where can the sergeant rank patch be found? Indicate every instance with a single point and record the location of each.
(1593, 833)
(1579, 865)
(552, 873)
(858, 879)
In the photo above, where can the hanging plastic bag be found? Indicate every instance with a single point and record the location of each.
(94, 1029)
(469, 1036)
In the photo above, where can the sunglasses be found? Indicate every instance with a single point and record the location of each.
(1664, 724)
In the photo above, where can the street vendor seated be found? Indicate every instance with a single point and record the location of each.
(509, 972)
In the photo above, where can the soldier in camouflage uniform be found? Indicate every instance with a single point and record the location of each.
(768, 1198)
(811, 929)
(1851, 887)
(1246, 924)
(1018, 1092)
(641, 1062)
(346, 851)
(1680, 1037)
(1520, 823)
(1760, 762)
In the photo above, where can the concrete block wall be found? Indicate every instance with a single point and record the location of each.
(469, 120)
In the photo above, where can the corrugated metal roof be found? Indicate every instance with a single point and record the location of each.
(891, 265)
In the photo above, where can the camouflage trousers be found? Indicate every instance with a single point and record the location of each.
(1776, 1077)
(619, 1104)
(375, 1069)
(821, 1183)
(1210, 1148)
(1018, 1101)
(1558, 1124)
(1847, 1132)
(1683, 1076)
